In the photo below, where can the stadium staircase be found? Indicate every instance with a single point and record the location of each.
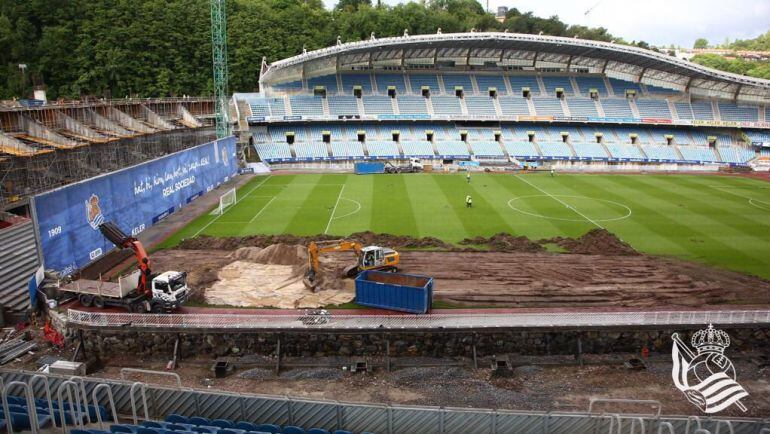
(672, 109)
(463, 106)
(287, 105)
(441, 89)
(531, 106)
(498, 109)
(565, 107)
(541, 84)
(610, 90)
(599, 108)
(575, 86)
(571, 148)
(394, 106)
(340, 87)
(474, 85)
(360, 105)
(325, 106)
(715, 109)
(634, 108)
(508, 87)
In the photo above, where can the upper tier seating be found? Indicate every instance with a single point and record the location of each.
(624, 151)
(553, 82)
(617, 107)
(660, 152)
(327, 81)
(419, 148)
(446, 105)
(487, 148)
(386, 80)
(702, 110)
(383, 149)
(590, 150)
(317, 131)
(680, 136)
(736, 155)
(725, 140)
(306, 105)
(541, 133)
(589, 134)
(277, 106)
(513, 105)
(698, 153)
(453, 80)
(582, 107)
(548, 106)
(477, 134)
(519, 82)
(555, 150)
(585, 84)
(659, 90)
(623, 133)
(758, 135)
(621, 86)
(732, 112)
(683, 110)
(278, 134)
(410, 104)
(417, 81)
(350, 80)
(377, 105)
(259, 107)
(290, 86)
(653, 108)
(273, 151)
(484, 82)
(343, 105)
(347, 150)
(480, 106)
(521, 149)
(313, 150)
(575, 135)
(452, 148)
(700, 138)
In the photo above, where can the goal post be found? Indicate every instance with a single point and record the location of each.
(225, 201)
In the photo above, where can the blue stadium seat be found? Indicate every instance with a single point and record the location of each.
(246, 426)
(377, 105)
(196, 420)
(553, 82)
(521, 149)
(617, 108)
(317, 431)
(386, 80)
(660, 153)
(204, 429)
(653, 108)
(732, 112)
(585, 84)
(446, 105)
(591, 151)
(342, 105)
(484, 82)
(683, 110)
(513, 105)
(222, 423)
(487, 149)
(340, 431)
(558, 150)
(356, 79)
(142, 430)
(118, 428)
(156, 424)
(269, 428)
(292, 430)
(327, 81)
(702, 111)
(419, 80)
(480, 106)
(736, 155)
(410, 104)
(452, 149)
(582, 107)
(548, 106)
(453, 80)
(518, 82)
(620, 87)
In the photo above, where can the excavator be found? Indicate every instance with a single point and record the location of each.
(369, 258)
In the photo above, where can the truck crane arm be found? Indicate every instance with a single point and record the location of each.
(113, 233)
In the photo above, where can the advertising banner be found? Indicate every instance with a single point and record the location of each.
(134, 198)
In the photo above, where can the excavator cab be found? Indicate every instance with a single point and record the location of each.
(376, 258)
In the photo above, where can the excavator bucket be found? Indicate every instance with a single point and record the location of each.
(309, 280)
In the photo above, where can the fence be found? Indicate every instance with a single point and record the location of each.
(143, 401)
(279, 321)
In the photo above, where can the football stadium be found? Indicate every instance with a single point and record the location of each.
(454, 232)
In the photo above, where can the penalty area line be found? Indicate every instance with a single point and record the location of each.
(231, 207)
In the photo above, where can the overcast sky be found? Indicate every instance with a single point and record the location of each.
(659, 22)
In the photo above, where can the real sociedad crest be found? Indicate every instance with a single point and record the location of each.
(707, 378)
(94, 212)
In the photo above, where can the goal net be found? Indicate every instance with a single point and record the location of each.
(225, 201)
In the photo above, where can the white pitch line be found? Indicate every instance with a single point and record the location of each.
(228, 209)
(331, 217)
(562, 202)
(352, 212)
(740, 195)
(263, 208)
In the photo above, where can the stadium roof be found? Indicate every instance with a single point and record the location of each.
(494, 50)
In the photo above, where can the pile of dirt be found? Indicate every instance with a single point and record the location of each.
(594, 242)
(366, 238)
(503, 242)
(275, 254)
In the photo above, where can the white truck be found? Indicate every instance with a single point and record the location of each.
(414, 165)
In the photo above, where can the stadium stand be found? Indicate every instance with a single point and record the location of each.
(575, 135)
(306, 105)
(278, 134)
(684, 110)
(736, 155)
(518, 82)
(698, 153)
(383, 149)
(513, 105)
(290, 86)
(446, 105)
(555, 150)
(484, 82)
(487, 149)
(659, 135)
(590, 151)
(453, 80)
(480, 106)
(619, 87)
(699, 137)
(653, 108)
(421, 148)
(624, 152)
(724, 139)
(478, 133)
(377, 105)
(552, 82)
(417, 81)
(617, 107)
(311, 151)
(548, 106)
(660, 90)
(349, 81)
(660, 152)
(259, 107)
(521, 149)
(623, 133)
(585, 84)
(386, 80)
(452, 149)
(347, 150)
(732, 112)
(410, 104)
(277, 106)
(758, 136)
(590, 131)
(342, 105)
(702, 110)
(327, 81)
(273, 151)
(582, 107)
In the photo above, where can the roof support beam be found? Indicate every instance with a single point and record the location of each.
(737, 91)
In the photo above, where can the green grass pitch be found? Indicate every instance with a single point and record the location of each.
(719, 220)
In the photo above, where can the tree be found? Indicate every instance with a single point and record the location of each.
(701, 43)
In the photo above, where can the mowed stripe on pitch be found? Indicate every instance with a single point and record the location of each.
(391, 208)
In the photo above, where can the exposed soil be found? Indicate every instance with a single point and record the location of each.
(600, 270)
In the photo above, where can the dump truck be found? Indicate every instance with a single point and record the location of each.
(140, 291)
(368, 258)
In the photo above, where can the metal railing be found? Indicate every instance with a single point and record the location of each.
(417, 322)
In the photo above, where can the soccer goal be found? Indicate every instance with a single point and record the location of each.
(226, 200)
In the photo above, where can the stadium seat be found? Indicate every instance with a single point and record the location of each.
(292, 430)
(513, 105)
(484, 82)
(386, 80)
(732, 112)
(653, 108)
(590, 151)
(548, 106)
(487, 149)
(246, 426)
(620, 87)
(553, 82)
(342, 105)
(349, 81)
(521, 149)
(196, 420)
(585, 84)
(377, 105)
(702, 111)
(419, 80)
(327, 81)
(446, 105)
(683, 110)
(222, 423)
(339, 431)
(317, 431)
(557, 150)
(518, 82)
(130, 429)
(269, 428)
(410, 104)
(582, 107)
(452, 149)
(616, 108)
(453, 80)
(480, 106)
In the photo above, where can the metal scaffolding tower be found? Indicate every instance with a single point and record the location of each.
(219, 57)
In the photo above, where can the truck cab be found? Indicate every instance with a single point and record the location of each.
(415, 164)
(169, 289)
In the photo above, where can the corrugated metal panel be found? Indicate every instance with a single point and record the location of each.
(359, 418)
(168, 402)
(18, 261)
(315, 414)
(267, 410)
(520, 423)
(571, 424)
(465, 421)
(415, 420)
(219, 406)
